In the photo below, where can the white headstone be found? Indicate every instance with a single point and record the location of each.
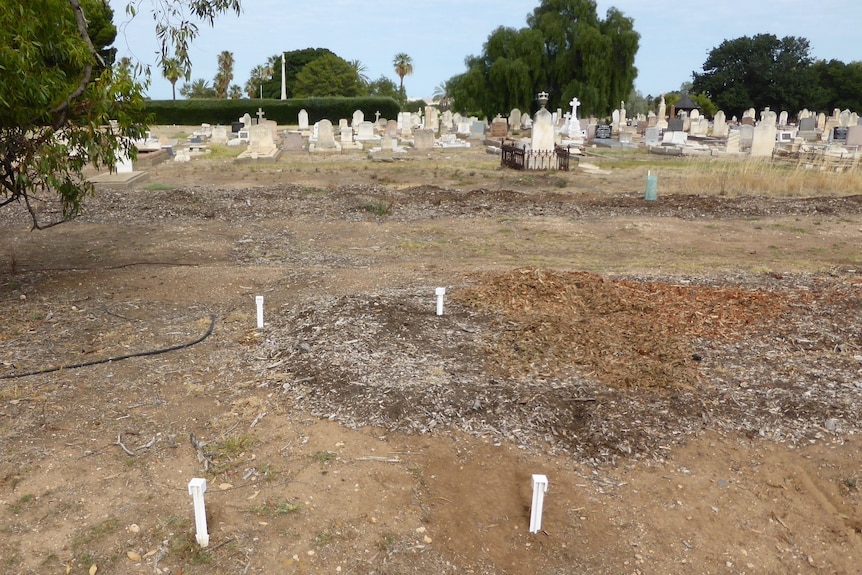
(325, 137)
(303, 119)
(719, 125)
(542, 138)
(358, 118)
(763, 140)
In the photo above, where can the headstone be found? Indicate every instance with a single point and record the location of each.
(615, 121)
(821, 121)
(782, 118)
(292, 141)
(246, 120)
(446, 123)
(732, 146)
(839, 133)
(346, 135)
(854, 135)
(365, 132)
(651, 136)
(219, 135)
(844, 118)
(432, 119)
(391, 129)
(746, 135)
(358, 117)
(542, 138)
(477, 130)
(124, 162)
(747, 121)
(325, 137)
(603, 132)
(515, 119)
(719, 125)
(675, 125)
(303, 119)
(677, 138)
(769, 117)
(807, 124)
(499, 128)
(763, 141)
(423, 139)
(343, 123)
(699, 126)
(661, 122)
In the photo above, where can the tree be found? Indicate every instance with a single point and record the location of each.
(443, 95)
(234, 92)
(254, 87)
(565, 50)
(63, 107)
(198, 89)
(329, 75)
(360, 70)
(383, 87)
(840, 86)
(172, 72)
(403, 67)
(759, 72)
(294, 61)
(224, 76)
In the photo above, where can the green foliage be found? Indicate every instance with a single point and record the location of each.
(199, 88)
(63, 107)
(565, 50)
(213, 111)
(414, 106)
(403, 65)
(55, 109)
(224, 76)
(840, 84)
(294, 61)
(328, 75)
(758, 72)
(383, 87)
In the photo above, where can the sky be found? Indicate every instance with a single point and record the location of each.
(439, 34)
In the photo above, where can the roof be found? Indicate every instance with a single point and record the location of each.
(686, 103)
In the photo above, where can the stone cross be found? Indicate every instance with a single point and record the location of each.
(376, 116)
(574, 104)
(259, 115)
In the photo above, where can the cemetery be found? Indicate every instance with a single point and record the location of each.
(369, 345)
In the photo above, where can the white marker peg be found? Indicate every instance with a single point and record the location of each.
(258, 299)
(197, 487)
(440, 292)
(540, 487)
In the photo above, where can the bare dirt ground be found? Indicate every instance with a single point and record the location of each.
(686, 372)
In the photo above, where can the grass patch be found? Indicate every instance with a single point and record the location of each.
(225, 454)
(323, 456)
(378, 208)
(20, 504)
(274, 507)
(158, 187)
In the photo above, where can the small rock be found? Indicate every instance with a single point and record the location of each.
(831, 424)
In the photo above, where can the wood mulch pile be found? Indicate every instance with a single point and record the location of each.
(628, 334)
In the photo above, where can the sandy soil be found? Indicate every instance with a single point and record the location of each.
(751, 467)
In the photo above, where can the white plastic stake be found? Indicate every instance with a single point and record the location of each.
(259, 301)
(197, 487)
(440, 292)
(540, 487)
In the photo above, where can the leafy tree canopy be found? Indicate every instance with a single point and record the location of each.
(62, 106)
(294, 61)
(328, 75)
(198, 89)
(758, 72)
(565, 50)
(383, 87)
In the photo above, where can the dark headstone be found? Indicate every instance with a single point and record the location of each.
(839, 134)
(675, 125)
(747, 121)
(603, 132)
(236, 127)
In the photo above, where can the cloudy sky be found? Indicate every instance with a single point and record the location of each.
(439, 34)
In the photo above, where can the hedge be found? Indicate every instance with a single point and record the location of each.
(285, 112)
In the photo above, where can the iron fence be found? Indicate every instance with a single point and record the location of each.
(516, 157)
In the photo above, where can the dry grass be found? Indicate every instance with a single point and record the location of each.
(734, 178)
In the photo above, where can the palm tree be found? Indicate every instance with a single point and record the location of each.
(225, 74)
(234, 92)
(172, 70)
(443, 95)
(403, 67)
(360, 70)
